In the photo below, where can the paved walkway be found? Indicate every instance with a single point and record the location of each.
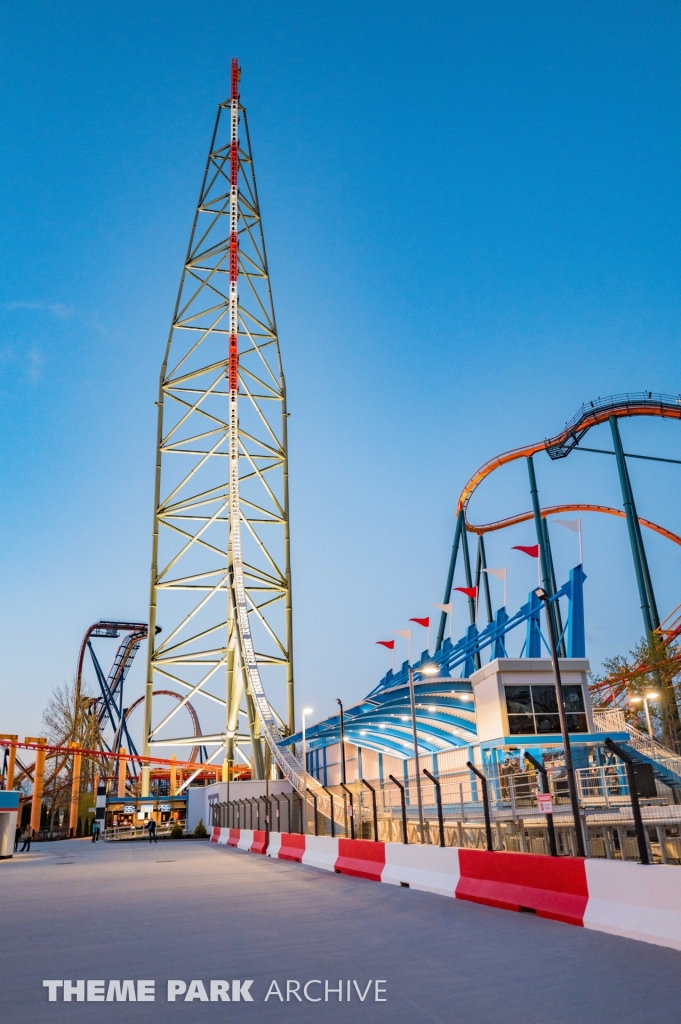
(189, 910)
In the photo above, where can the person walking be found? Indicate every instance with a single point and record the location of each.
(17, 837)
(152, 831)
(28, 835)
(95, 831)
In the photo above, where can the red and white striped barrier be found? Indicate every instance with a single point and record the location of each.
(251, 840)
(619, 897)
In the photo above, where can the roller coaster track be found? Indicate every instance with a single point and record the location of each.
(553, 510)
(645, 403)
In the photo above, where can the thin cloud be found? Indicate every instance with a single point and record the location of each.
(58, 309)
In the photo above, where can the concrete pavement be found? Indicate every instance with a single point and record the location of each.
(190, 911)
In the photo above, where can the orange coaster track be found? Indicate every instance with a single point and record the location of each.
(590, 415)
(552, 510)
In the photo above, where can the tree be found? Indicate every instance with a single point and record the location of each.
(654, 665)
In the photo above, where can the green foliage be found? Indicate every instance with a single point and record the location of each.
(654, 666)
(177, 831)
(200, 830)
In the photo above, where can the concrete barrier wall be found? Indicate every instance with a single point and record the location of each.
(321, 852)
(619, 897)
(430, 868)
(553, 887)
(635, 900)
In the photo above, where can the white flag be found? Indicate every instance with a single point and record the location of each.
(406, 633)
(575, 525)
(569, 524)
(499, 573)
(447, 608)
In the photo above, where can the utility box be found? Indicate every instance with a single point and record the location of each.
(645, 780)
(9, 808)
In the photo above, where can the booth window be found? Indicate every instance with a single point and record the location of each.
(533, 710)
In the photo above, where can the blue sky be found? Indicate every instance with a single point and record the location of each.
(472, 216)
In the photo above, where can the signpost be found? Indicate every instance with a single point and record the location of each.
(545, 803)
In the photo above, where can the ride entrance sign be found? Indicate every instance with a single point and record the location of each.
(544, 803)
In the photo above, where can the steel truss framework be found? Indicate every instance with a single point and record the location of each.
(220, 575)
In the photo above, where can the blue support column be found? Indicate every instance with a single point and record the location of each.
(576, 645)
(470, 663)
(499, 648)
(533, 641)
(469, 583)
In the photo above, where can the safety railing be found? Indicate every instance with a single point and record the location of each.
(120, 832)
(609, 721)
(453, 808)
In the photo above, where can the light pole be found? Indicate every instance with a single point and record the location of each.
(342, 738)
(427, 670)
(305, 712)
(637, 700)
(574, 800)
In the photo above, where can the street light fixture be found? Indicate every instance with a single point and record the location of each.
(426, 670)
(574, 800)
(305, 712)
(342, 738)
(638, 700)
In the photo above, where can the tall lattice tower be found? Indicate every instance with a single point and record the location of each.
(220, 573)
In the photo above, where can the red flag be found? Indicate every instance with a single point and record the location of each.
(532, 550)
(468, 591)
(422, 622)
(390, 644)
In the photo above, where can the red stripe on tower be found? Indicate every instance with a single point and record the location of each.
(233, 364)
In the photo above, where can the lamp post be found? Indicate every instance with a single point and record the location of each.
(427, 670)
(305, 712)
(574, 800)
(637, 700)
(342, 738)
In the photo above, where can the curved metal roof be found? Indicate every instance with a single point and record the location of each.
(445, 717)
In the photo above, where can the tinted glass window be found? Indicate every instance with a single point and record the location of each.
(520, 725)
(574, 699)
(576, 723)
(548, 723)
(518, 700)
(544, 699)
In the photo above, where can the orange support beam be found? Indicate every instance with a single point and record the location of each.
(11, 760)
(122, 771)
(38, 780)
(75, 790)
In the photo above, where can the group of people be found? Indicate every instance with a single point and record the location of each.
(27, 835)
